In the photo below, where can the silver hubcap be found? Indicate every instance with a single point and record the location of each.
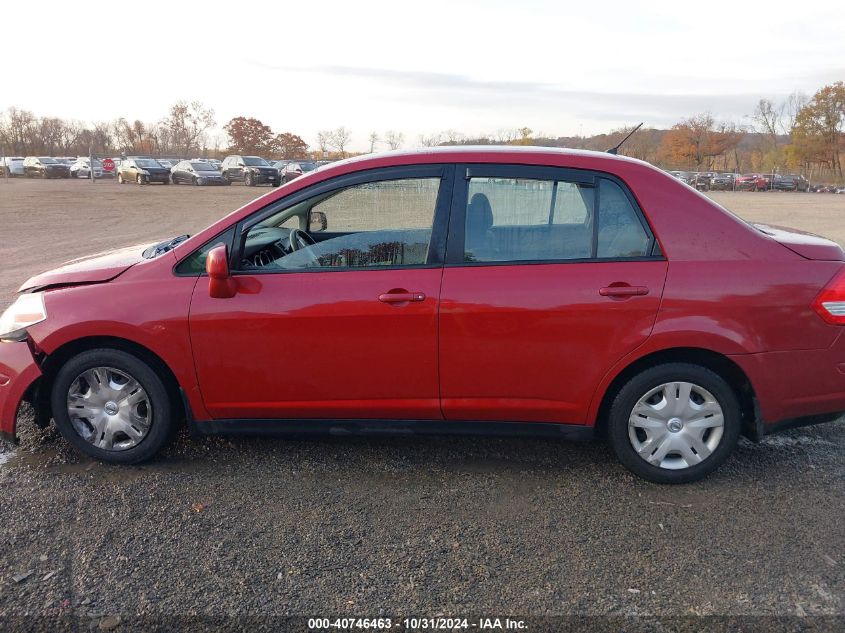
(109, 408)
(676, 425)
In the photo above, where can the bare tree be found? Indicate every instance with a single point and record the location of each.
(794, 104)
(453, 137)
(374, 138)
(429, 140)
(394, 139)
(506, 135)
(339, 139)
(768, 117)
(324, 140)
(188, 123)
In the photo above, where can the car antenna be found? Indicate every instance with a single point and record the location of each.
(615, 150)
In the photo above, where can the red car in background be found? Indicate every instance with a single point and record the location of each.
(472, 290)
(753, 182)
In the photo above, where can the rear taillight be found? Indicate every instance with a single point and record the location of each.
(830, 303)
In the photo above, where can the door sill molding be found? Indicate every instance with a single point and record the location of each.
(577, 432)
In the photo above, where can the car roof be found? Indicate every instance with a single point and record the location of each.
(430, 154)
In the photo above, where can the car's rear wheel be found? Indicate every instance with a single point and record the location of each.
(674, 423)
(111, 405)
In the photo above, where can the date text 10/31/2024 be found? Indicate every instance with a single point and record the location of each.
(417, 624)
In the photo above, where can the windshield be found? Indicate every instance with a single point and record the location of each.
(255, 161)
(203, 167)
(308, 166)
(48, 161)
(147, 162)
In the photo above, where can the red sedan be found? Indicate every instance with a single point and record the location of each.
(472, 290)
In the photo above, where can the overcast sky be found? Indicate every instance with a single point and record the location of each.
(417, 67)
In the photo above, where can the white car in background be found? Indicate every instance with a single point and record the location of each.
(14, 164)
(81, 168)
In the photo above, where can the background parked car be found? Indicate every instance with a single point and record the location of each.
(722, 182)
(702, 180)
(791, 182)
(196, 173)
(751, 182)
(44, 167)
(295, 169)
(81, 168)
(684, 176)
(250, 170)
(142, 171)
(12, 164)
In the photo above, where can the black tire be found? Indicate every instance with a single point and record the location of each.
(139, 179)
(194, 181)
(641, 384)
(249, 181)
(163, 420)
(174, 180)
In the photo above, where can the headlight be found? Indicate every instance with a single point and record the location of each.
(27, 310)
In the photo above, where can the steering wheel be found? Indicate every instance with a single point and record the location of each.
(300, 239)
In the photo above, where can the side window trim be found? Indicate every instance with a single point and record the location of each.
(457, 220)
(443, 171)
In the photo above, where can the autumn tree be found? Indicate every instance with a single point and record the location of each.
(249, 136)
(289, 146)
(819, 132)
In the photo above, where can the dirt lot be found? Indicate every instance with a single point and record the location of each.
(402, 526)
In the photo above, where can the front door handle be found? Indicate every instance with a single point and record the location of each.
(621, 291)
(401, 296)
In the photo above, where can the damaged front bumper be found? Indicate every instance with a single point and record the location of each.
(18, 372)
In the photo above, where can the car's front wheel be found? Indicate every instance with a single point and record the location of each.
(139, 179)
(674, 423)
(111, 405)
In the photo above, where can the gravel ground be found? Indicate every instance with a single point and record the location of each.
(233, 528)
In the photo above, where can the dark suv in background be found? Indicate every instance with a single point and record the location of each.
(250, 170)
(44, 167)
(791, 183)
(722, 182)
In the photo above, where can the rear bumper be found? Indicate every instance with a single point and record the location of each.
(797, 388)
(18, 371)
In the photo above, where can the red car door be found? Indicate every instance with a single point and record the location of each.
(551, 276)
(344, 328)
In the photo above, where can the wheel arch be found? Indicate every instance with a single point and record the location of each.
(714, 361)
(52, 362)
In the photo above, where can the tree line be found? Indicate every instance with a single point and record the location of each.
(801, 133)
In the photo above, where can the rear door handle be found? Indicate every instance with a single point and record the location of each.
(401, 296)
(623, 291)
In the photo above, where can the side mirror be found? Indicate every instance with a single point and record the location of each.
(317, 221)
(221, 284)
